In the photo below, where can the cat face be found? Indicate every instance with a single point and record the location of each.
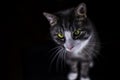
(70, 28)
(72, 38)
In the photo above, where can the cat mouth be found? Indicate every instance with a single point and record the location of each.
(70, 50)
(74, 49)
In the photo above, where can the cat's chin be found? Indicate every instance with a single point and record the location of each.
(69, 50)
(72, 51)
(72, 54)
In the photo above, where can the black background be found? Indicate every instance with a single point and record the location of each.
(25, 40)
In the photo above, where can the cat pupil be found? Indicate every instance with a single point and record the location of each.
(60, 35)
(77, 32)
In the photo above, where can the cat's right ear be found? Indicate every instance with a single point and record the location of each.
(81, 11)
(51, 18)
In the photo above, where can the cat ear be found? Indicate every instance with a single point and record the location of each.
(51, 18)
(81, 11)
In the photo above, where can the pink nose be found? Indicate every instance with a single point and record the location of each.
(69, 47)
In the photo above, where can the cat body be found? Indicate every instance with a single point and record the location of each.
(75, 35)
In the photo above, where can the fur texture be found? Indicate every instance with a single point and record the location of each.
(76, 37)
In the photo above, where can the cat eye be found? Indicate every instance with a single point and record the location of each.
(61, 36)
(77, 32)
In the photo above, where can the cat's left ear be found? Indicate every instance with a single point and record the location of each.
(81, 11)
(51, 18)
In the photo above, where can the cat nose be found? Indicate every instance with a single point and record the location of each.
(70, 47)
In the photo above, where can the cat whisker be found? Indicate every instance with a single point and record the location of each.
(58, 59)
(53, 53)
(61, 59)
(93, 54)
(56, 51)
(53, 49)
(61, 56)
(97, 53)
(64, 58)
(87, 53)
(97, 44)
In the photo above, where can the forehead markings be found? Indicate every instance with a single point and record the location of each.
(65, 23)
(68, 35)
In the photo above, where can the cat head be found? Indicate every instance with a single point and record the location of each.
(70, 28)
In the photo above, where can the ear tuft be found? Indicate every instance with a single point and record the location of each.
(51, 18)
(81, 10)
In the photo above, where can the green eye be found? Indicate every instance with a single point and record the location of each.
(77, 32)
(60, 35)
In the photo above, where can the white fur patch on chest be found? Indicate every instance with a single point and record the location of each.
(81, 45)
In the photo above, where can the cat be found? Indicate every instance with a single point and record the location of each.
(76, 37)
